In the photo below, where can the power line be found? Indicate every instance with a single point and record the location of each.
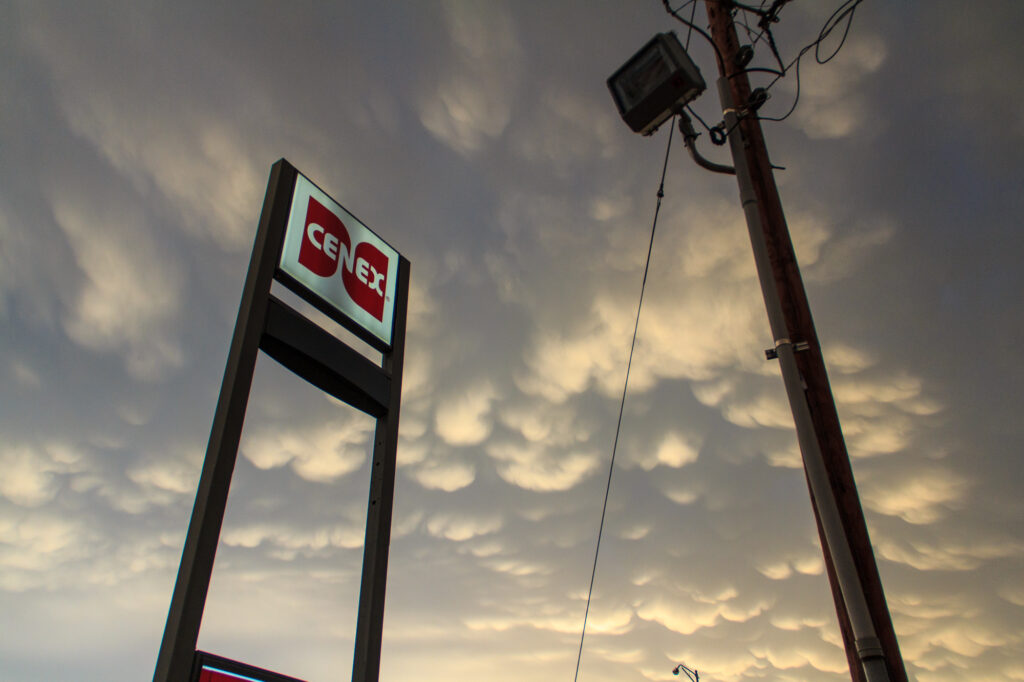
(622, 404)
(843, 14)
(689, 29)
(830, 24)
(692, 27)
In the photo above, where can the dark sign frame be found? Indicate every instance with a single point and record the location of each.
(266, 323)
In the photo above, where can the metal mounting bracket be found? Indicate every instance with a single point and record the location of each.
(773, 353)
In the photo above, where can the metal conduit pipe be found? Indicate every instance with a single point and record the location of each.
(869, 648)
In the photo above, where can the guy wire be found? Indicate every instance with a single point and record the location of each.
(622, 404)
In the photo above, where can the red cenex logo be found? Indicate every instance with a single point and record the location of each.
(364, 270)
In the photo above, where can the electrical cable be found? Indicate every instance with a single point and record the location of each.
(765, 19)
(697, 116)
(796, 99)
(837, 16)
(689, 30)
(771, 43)
(749, 31)
(694, 27)
(757, 69)
(845, 11)
(759, 11)
(625, 386)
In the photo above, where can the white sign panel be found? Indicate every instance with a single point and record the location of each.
(331, 253)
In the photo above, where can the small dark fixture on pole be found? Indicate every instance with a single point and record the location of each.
(689, 672)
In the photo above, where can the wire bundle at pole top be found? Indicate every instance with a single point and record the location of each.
(766, 17)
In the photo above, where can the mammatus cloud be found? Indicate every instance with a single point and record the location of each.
(618, 621)
(33, 545)
(956, 555)
(831, 104)
(287, 541)
(566, 131)
(528, 230)
(323, 452)
(24, 269)
(688, 615)
(701, 313)
(464, 419)
(131, 293)
(172, 142)
(447, 475)
(540, 468)
(806, 565)
(471, 104)
(30, 473)
(675, 450)
(768, 408)
(175, 475)
(24, 374)
(460, 528)
(923, 497)
(201, 167)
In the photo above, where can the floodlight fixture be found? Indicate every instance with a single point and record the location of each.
(656, 82)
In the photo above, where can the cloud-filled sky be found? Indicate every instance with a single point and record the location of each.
(480, 140)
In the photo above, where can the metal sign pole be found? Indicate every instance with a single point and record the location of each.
(181, 632)
(370, 621)
(265, 323)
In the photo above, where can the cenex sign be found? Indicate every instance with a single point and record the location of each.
(309, 243)
(340, 261)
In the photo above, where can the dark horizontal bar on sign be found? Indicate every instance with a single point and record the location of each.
(323, 360)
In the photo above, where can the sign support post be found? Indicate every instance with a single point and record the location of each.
(370, 621)
(181, 633)
(265, 323)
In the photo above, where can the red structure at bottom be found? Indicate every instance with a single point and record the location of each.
(210, 668)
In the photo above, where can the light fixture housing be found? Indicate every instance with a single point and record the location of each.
(656, 82)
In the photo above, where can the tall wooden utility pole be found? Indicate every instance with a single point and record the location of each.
(871, 647)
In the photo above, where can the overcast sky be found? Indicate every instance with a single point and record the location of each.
(479, 139)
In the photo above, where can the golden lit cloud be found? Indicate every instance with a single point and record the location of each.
(131, 294)
(465, 419)
(608, 621)
(293, 540)
(173, 475)
(34, 546)
(765, 409)
(922, 497)
(675, 451)
(535, 468)
(480, 140)
(448, 476)
(472, 102)
(29, 474)
(822, 657)
(688, 616)
(204, 167)
(951, 556)
(317, 453)
(460, 528)
(831, 105)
